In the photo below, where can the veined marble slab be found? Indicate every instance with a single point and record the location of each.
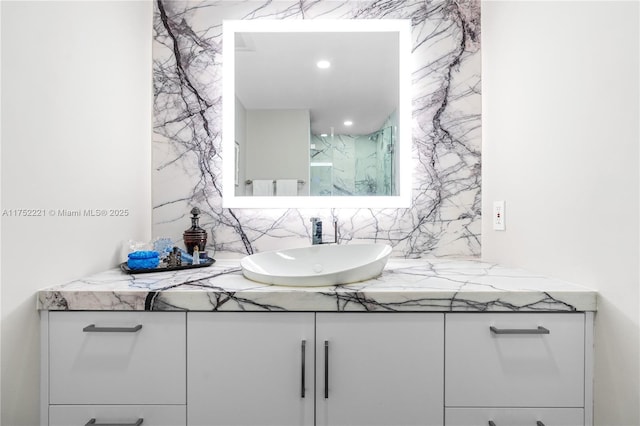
(445, 214)
(442, 284)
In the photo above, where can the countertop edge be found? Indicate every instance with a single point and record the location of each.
(433, 285)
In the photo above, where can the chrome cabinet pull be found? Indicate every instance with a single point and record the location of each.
(303, 351)
(326, 369)
(92, 422)
(539, 330)
(93, 329)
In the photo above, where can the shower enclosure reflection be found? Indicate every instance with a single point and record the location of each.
(344, 165)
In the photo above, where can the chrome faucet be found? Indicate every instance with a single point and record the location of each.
(316, 232)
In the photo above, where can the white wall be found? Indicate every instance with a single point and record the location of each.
(560, 145)
(278, 144)
(76, 132)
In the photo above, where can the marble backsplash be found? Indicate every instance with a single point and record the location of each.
(444, 218)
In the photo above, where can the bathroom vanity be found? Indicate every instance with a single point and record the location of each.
(429, 342)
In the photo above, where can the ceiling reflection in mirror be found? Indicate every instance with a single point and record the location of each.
(316, 113)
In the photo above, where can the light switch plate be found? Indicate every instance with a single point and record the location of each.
(498, 216)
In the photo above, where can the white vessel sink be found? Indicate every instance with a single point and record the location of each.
(317, 265)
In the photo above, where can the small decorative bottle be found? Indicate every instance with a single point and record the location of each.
(195, 236)
(196, 255)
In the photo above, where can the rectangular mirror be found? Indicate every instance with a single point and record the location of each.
(316, 114)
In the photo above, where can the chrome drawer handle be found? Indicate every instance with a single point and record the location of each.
(539, 330)
(303, 350)
(538, 423)
(92, 422)
(93, 329)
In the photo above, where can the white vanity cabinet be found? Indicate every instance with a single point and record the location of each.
(316, 368)
(516, 369)
(250, 368)
(120, 415)
(379, 369)
(514, 416)
(370, 369)
(113, 367)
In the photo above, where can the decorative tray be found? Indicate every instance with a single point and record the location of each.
(162, 267)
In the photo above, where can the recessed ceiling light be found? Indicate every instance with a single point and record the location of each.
(348, 123)
(323, 135)
(323, 64)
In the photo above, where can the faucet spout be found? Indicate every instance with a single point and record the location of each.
(316, 232)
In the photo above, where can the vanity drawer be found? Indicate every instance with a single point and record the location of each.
(514, 360)
(514, 416)
(117, 358)
(122, 415)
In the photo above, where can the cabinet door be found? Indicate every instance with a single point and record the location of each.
(250, 368)
(379, 369)
(122, 415)
(117, 357)
(514, 416)
(515, 360)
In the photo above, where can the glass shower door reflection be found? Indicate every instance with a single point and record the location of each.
(321, 176)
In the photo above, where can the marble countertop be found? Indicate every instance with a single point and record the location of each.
(442, 284)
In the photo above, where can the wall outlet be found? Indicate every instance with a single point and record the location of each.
(498, 216)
